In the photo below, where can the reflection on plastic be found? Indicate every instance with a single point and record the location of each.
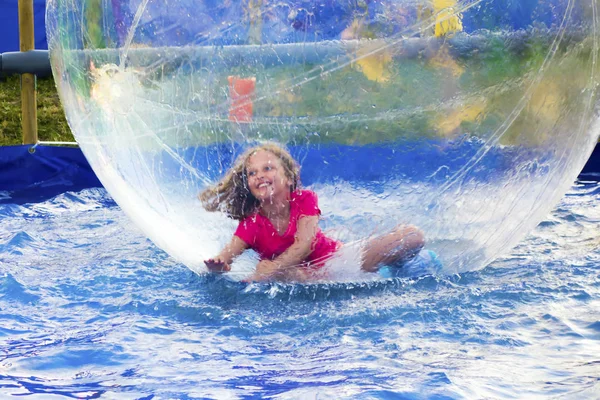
(469, 119)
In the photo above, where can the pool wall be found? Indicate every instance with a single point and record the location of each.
(36, 173)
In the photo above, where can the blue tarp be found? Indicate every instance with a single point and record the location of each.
(591, 171)
(27, 176)
(409, 160)
(9, 25)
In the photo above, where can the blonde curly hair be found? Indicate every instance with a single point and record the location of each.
(232, 195)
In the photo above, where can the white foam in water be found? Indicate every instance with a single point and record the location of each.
(491, 126)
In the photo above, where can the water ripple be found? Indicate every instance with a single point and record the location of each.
(90, 308)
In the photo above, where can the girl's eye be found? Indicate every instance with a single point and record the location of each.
(251, 173)
(268, 168)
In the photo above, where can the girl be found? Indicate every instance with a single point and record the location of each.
(280, 221)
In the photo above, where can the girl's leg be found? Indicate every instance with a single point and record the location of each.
(402, 244)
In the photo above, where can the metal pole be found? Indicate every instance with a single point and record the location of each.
(28, 95)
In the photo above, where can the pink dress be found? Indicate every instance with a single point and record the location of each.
(260, 234)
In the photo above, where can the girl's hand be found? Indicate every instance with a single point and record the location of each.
(296, 274)
(265, 271)
(217, 266)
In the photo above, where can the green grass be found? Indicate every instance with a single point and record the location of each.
(52, 125)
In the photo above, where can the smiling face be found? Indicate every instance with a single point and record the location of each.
(267, 178)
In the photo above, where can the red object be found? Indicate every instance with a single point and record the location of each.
(258, 232)
(241, 91)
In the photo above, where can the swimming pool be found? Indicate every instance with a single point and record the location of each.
(90, 308)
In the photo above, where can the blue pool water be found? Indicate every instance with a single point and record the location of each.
(89, 308)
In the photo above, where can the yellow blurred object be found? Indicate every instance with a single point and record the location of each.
(448, 124)
(543, 110)
(447, 20)
(443, 59)
(545, 103)
(371, 59)
(375, 66)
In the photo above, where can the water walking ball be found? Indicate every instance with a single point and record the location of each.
(469, 119)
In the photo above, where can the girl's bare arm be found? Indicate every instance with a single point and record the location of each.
(233, 249)
(284, 266)
(298, 252)
(221, 263)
